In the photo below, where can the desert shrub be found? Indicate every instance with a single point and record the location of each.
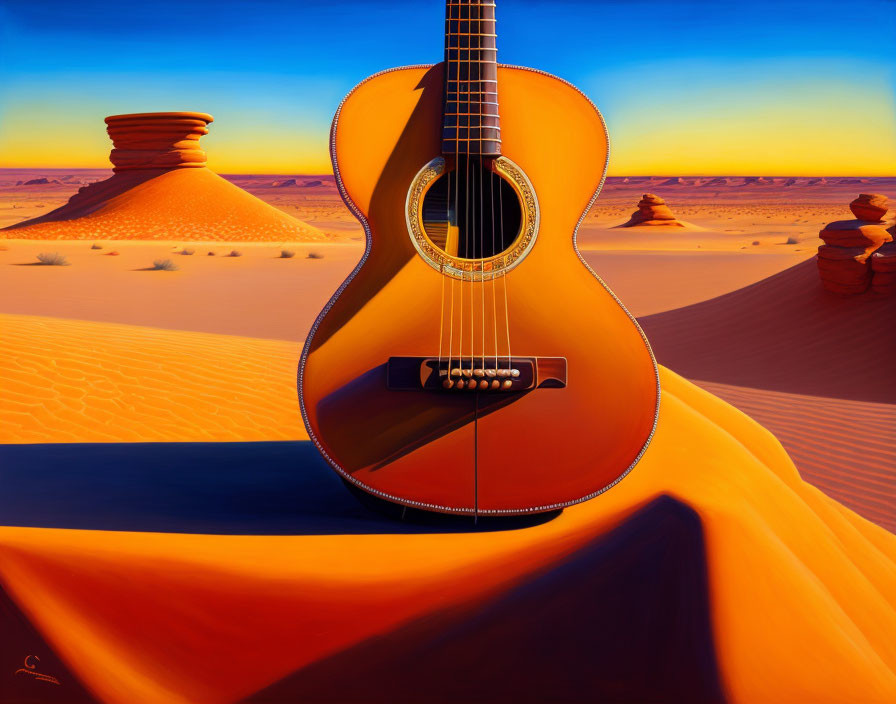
(755, 242)
(187, 252)
(235, 253)
(210, 254)
(96, 245)
(287, 254)
(792, 240)
(164, 265)
(315, 255)
(52, 259)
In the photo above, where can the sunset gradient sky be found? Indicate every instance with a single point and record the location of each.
(688, 88)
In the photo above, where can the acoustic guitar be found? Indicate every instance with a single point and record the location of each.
(473, 363)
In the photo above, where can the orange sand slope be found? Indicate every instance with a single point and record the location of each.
(784, 333)
(75, 381)
(802, 594)
(845, 448)
(181, 204)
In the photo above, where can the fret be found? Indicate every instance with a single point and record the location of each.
(467, 41)
(458, 129)
(469, 123)
(470, 140)
(451, 136)
(471, 114)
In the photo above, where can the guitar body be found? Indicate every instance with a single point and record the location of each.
(465, 451)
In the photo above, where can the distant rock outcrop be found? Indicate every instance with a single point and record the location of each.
(162, 190)
(846, 259)
(870, 206)
(285, 183)
(652, 211)
(39, 182)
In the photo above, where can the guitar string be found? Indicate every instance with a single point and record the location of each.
(470, 225)
(481, 209)
(448, 232)
(492, 178)
(494, 312)
(460, 344)
(504, 276)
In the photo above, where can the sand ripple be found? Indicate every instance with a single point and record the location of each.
(77, 381)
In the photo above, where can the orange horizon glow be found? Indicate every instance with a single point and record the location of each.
(788, 128)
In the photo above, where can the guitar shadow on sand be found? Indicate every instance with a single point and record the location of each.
(231, 488)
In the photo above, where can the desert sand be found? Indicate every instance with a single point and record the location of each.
(108, 351)
(788, 569)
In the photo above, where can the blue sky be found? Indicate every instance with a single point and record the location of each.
(695, 87)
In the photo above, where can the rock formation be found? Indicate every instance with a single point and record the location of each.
(883, 270)
(846, 261)
(162, 190)
(870, 206)
(652, 211)
(157, 140)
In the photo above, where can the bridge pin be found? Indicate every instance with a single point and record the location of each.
(467, 372)
(514, 372)
(503, 372)
(490, 372)
(459, 384)
(506, 384)
(478, 372)
(496, 384)
(483, 384)
(447, 383)
(455, 372)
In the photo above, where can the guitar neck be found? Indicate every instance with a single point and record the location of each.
(470, 121)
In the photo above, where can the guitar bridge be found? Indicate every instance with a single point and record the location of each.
(483, 375)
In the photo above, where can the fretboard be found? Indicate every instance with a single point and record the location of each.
(470, 123)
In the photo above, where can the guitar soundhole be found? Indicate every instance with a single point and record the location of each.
(471, 211)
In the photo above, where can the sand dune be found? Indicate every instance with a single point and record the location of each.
(181, 204)
(784, 334)
(75, 381)
(78, 381)
(845, 448)
(714, 523)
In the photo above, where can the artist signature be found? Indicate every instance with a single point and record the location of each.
(30, 669)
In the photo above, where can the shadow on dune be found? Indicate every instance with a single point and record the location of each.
(625, 619)
(239, 488)
(93, 197)
(784, 333)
